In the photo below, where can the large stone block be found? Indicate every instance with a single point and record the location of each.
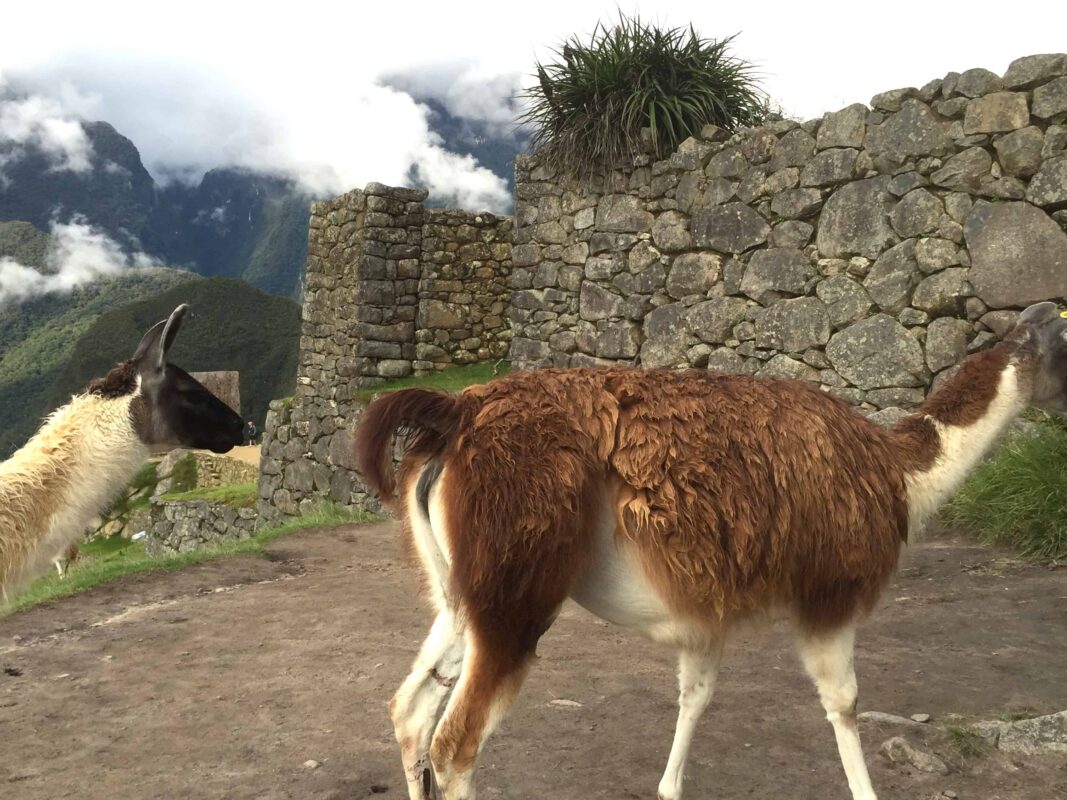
(623, 213)
(941, 293)
(666, 337)
(830, 167)
(912, 132)
(844, 128)
(946, 342)
(1019, 152)
(917, 213)
(1048, 188)
(1030, 71)
(774, 272)
(693, 273)
(964, 171)
(793, 325)
(1018, 254)
(877, 352)
(846, 301)
(855, 220)
(729, 228)
(996, 113)
(596, 302)
(713, 321)
(1050, 100)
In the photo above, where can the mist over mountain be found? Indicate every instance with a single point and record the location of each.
(235, 222)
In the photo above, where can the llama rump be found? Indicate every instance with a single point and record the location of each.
(673, 503)
(87, 450)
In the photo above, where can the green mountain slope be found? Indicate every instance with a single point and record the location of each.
(232, 326)
(24, 243)
(38, 336)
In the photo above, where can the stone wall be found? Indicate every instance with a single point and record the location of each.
(391, 289)
(463, 294)
(867, 251)
(183, 526)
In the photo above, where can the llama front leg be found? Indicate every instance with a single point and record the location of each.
(416, 706)
(828, 658)
(697, 671)
(490, 680)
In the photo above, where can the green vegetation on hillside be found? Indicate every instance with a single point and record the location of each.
(38, 336)
(453, 379)
(589, 108)
(1019, 497)
(233, 326)
(24, 243)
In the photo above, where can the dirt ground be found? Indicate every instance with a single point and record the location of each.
(249, 454)
(222, 680)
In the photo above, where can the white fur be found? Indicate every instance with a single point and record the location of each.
(962, 447)
(697, 672)
(829, 661)
(52, 488)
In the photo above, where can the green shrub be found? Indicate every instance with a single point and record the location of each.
(588, 108)
(1019, 497)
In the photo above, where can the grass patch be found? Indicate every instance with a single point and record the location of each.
(967, 742)
(1019, 497)
(452, 379)
(235, 495)
(104, 560)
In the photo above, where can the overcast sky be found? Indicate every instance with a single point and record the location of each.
(300, 88)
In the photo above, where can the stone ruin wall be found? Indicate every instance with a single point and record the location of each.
(867, 251)
(392, 289)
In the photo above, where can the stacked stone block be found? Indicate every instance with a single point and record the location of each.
(391, 289)
(868, 251)
(463, 294)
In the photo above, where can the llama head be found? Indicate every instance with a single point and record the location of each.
(1044, 328)
(171, 407)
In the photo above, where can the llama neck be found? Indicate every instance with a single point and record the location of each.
(53, 487)
(957, 426)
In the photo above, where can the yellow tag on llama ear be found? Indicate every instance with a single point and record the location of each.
(1063, 314)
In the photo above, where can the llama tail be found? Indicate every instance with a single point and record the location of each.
(428, 421)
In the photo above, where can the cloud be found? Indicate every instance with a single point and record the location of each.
(49, 124)
(79, 255)
(472, 91)
(186, 122)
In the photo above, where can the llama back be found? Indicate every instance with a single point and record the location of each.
(742, 493)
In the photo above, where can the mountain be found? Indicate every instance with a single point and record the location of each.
(233, 326)
(239, 224)
(38, 336)
(234, 223)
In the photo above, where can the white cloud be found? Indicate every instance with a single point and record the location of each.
(303, 92)
(79, 255)
(49, 124)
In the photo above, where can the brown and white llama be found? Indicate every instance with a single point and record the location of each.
(87, 450)
(673, 503)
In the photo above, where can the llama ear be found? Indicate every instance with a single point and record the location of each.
(1038, 314)
(154, 345)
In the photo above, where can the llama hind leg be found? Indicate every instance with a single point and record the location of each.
(697, 671)
(828, 658)
(491, 677)
(416, 706)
